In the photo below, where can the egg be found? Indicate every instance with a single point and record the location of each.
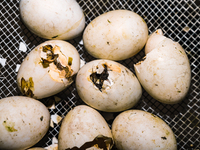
(53, 19)
(23, 122)
(165, 72)
(48, 69)
(108, 86)
(137, 129)
(115, 35)
(84, 128)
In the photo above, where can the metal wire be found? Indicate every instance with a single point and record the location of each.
(179, 20)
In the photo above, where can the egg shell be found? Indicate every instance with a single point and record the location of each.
(23, 122)
(50, 80)
(153, 41)
(53, 19)
(82, 124)
(165, 73)
(120, 91)
(140, 130)
(115, 35)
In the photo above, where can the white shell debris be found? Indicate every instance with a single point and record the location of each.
(82, 63)
(51, 123)
(54, 145)
(81, 42)
(56, 118)
(186, 29)
(3, 61)
(17, 67)
(22, 47)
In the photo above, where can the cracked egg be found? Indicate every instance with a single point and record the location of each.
(165, 72)
(48, 69)
(108, 86)
(84, 128)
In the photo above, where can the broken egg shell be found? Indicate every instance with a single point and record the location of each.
(153, 40)
(82, 124)
(165, 73)
(51, 19)
(137, 129)
(48, 81)
(115, 35)
(120, 91)
(23, 122)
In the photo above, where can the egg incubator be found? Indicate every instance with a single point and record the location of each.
(179, 21)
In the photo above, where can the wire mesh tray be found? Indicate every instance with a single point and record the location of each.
(179, 20)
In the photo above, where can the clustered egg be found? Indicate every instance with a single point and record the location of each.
(103, 84)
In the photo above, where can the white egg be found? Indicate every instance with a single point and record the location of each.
(165, 73)
(108, 86)
(115, 35)
(140, 130)
(23, 122)
(84, 128)
(48, 69)
(53, 19)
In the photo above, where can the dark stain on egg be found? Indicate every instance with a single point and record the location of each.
(41, 118)
(164, 138)
(27, 87)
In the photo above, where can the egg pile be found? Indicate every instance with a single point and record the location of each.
(103, 84)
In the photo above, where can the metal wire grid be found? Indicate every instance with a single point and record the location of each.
(179, 20)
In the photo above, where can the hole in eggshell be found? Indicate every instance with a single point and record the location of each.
(99, 78)
(53, 58)
(100, 141)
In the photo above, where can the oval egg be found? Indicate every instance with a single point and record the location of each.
(23, 122)
(137, 129)
(53, 19)
(165, 72)
(48, 69)
(84, 128)
(108, 86)
(115, 35)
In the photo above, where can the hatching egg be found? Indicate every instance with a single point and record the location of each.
(84, 128)
(53, 19)
(48, 69)
(23, 122)
(115, 35)
(108, 86)
(165, 71)
(141, 130)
